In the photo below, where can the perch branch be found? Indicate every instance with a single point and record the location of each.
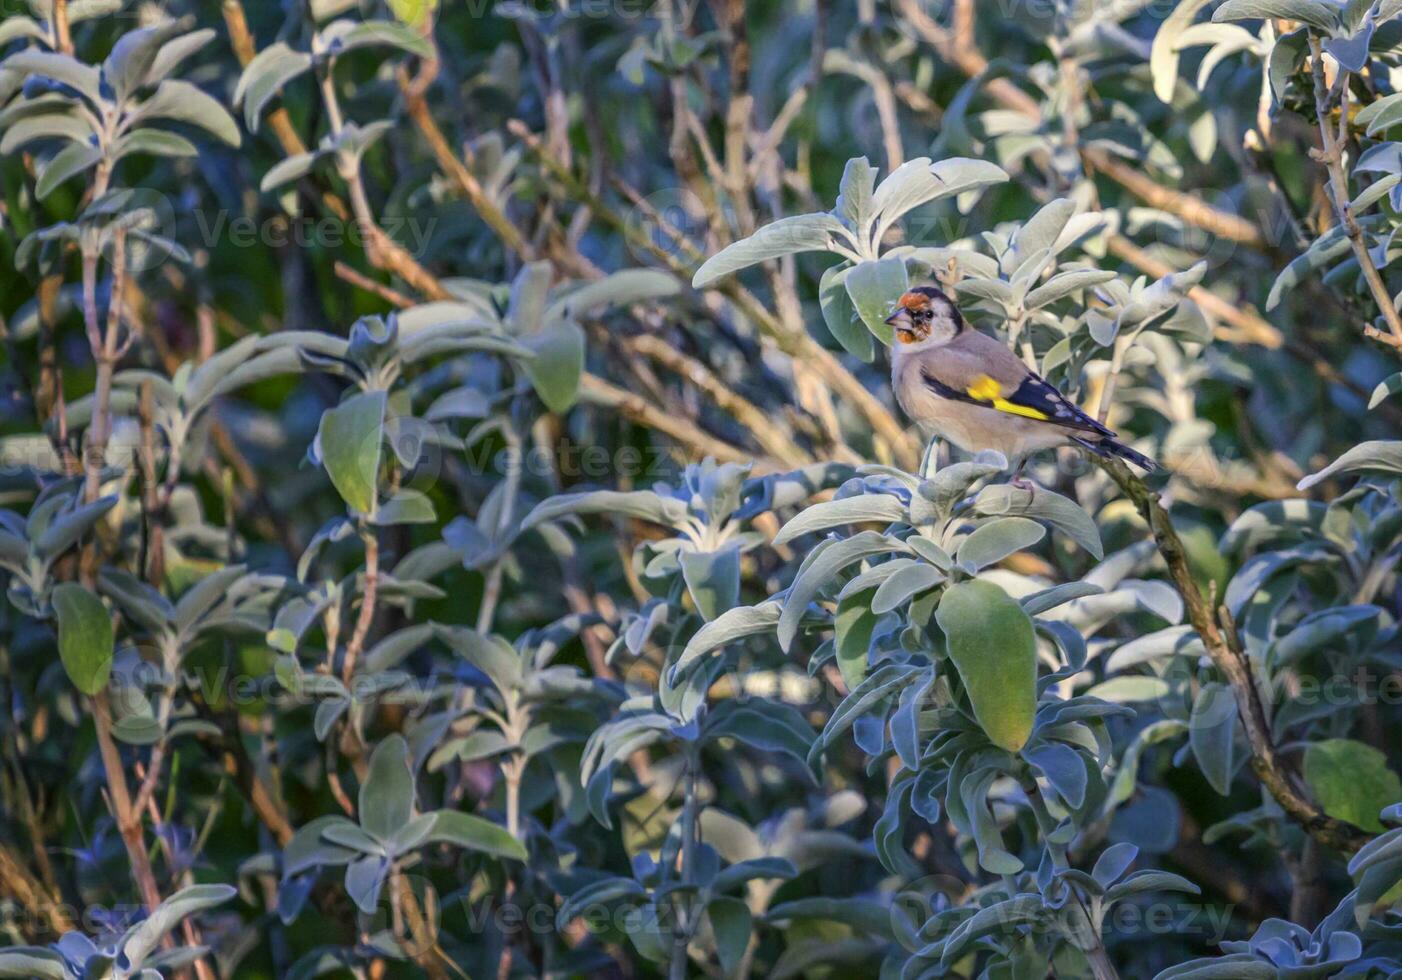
(1234, 665)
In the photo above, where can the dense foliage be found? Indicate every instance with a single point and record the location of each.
(456, 523)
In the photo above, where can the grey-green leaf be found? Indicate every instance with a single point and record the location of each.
(992, 542)
(992, 644)
(874, 288)
(800, 233)
(85, 640)
(558, 363)
(350, 440)
(387, 795)
(474, 834)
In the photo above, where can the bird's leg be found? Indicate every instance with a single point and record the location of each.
(1022, 482)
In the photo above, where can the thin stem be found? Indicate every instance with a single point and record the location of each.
(686, 918)
(128, 818)
(63, 36)
(367, 605)
(1331, 154)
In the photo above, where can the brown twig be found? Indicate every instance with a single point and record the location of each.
(638, 409)
(796, 343)
(63, 35)
(361, 281)
(367, 606)
(1331, 154)
(771, 437)
(415, 103)
(957, 48)
(1231, 661)
(129, 820)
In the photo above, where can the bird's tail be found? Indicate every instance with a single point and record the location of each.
(1108, 447)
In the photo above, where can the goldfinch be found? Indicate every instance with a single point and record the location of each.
(973, 391)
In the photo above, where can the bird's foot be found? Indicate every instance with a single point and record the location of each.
(1023, 483)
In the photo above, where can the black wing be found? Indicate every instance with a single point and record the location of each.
(1033, 398)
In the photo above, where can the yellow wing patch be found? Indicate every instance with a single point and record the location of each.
(986, 389)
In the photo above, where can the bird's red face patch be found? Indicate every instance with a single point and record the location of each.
(911, 318)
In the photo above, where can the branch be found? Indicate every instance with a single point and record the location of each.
(638, 409)
(796, 343)
(771, 437)
(1234, 665)
(413, 90)
(1331, 154)
(960, 51)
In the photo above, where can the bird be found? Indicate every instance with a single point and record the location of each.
(976, 393)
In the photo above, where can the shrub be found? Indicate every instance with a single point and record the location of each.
(456, 522)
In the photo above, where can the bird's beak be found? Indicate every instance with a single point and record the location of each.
(900, 319)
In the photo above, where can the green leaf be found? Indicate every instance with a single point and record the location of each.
(1286, 58)
(1306, 266)
(286, 171)
(73, 159)
(350, 441)
(1386, 388)
(617, 289)
(645, 505)
(48, 125)
(143, 938)
(1064, 284)
(1062, 513)
(800, 233)
(156, 142)
(1375, 456)
(1163, 56)
(1212, 735)
(1316, 13)
(736, 624)
(1351, 781)
(855, 622)
(713, 579)
(822, 565)
(880, 508)
(347, 35)
(182, 102)
(919, 181)
(59, 68)
(85, 641)
(730, 924)
(174, 52)
(408, 506)
(558, 364)
(874, 288)
(840, 316)
(133, 55)
(17, 26)
(32, 963)
(855, 192)
(265, 76)
(992, 644)
(905, 584)
(990, 543)
(387, 795)
(474, 834)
